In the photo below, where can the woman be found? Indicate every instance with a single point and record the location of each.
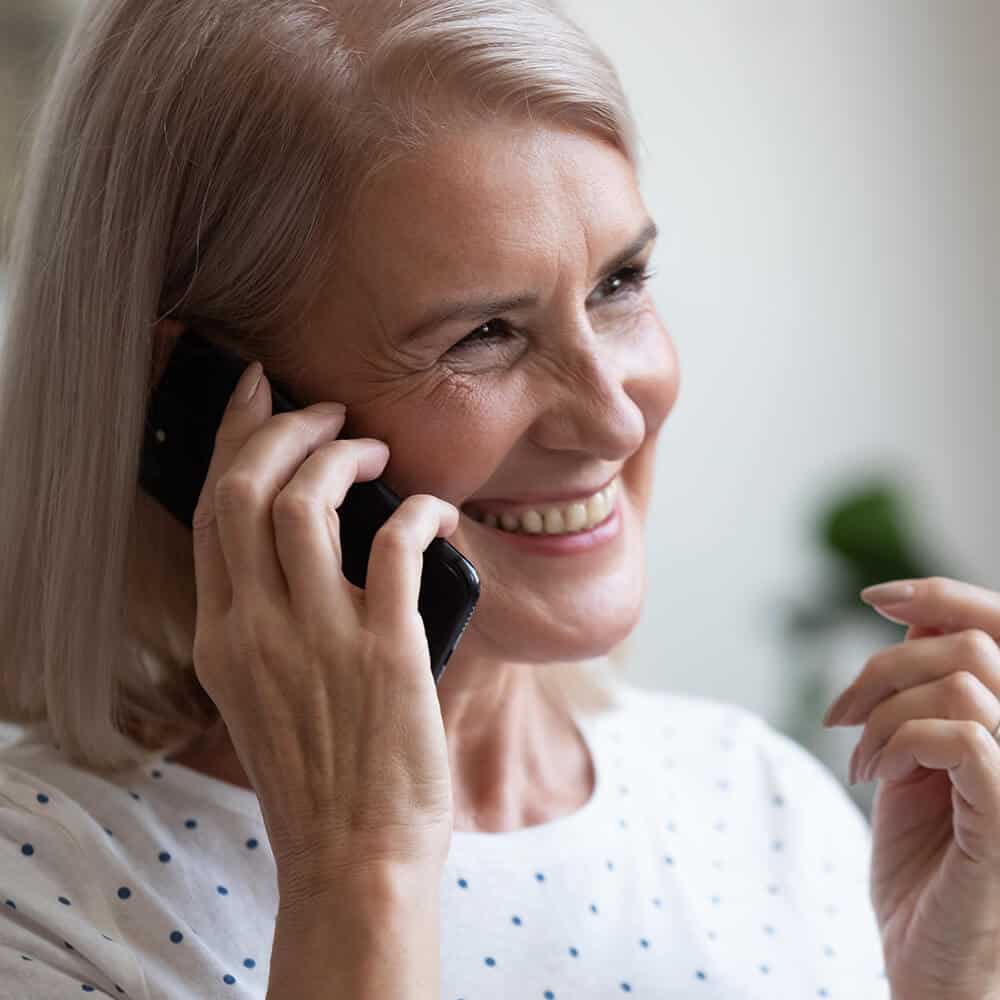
(239, 778)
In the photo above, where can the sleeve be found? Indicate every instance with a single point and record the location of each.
(57, 934)
(826, 841)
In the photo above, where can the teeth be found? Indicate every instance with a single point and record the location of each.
(531, 522)
(577, 516)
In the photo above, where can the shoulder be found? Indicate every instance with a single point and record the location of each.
(712, 742)
(36, 778)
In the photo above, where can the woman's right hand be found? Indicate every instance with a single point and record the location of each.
(326, 689)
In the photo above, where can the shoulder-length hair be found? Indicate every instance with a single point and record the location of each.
(197, 159)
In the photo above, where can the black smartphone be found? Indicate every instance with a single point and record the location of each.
(184, 413)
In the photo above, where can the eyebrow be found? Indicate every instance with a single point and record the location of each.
(487, 308)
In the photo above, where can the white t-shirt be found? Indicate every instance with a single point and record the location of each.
(716, 859)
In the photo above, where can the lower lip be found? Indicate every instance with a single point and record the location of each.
(564, 545)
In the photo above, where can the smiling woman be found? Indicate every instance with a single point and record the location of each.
(242, 776)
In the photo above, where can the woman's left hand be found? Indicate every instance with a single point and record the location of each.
(930, 706)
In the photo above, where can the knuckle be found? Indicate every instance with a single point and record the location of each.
(295, 506)
(977, 738)
(963, 688)
(235, 492)
(977, 645)
(393, 535)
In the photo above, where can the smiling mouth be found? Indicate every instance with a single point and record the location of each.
(555, 519)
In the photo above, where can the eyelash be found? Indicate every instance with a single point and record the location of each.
(633, 279)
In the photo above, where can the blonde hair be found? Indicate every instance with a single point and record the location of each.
(199, 159)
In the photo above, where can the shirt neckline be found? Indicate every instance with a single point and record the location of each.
(561, 829)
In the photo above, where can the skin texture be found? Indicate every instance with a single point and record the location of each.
(563, 395)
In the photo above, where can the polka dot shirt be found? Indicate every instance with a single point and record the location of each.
(716, 859)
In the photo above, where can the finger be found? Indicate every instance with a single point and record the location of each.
(965, 749)
(939, 602)
(958, 696)
(307, 528)
(907, 664)
(246, 491)
(392, 587)
(239, 420)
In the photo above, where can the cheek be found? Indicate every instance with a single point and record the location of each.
(448, 451)
(655, 389)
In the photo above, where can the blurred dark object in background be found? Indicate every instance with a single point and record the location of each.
(868, 536)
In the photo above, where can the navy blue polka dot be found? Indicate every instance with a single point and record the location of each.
(108, 832)
(86, 988)
(157, 774)
(164, 856)
(491, 961)
(252, 843)
(549, 995)
(626, 988)
(249, 963)
(176, 937)
(64, 901)
(222, 890)
(643, 943)
(27, 849)
(700, 974)
(42, 797)
(190, 823)
(573, 952)
(228, 979)
(593, 907)
(539, 877)
(463, 883)
(134, 796)
(10, 903)
(124, 892)
(516, 920)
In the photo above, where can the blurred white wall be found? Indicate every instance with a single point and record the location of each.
(824, 176)
(824, 173)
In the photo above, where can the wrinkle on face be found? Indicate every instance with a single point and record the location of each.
(566, 394)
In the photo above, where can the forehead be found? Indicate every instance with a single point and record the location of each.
(472, 205)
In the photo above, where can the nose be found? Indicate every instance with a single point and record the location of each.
(590, 407)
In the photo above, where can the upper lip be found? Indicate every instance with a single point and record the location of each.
(534, 503)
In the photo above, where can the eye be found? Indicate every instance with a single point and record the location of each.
(628, 281)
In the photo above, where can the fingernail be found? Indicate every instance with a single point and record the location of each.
(334, 409)
(888, 593)
(872, 764)
(851, 776)
(837, 710)
(246, 388)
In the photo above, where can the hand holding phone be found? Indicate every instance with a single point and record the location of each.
(185, 411)
(324, 688)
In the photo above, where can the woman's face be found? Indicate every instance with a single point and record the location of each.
(551, 397)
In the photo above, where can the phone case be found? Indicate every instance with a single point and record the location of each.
(185, 411)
